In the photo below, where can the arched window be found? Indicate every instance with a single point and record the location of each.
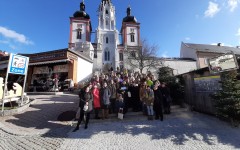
(120, 56)
(106, 39)
(106, 12)
(79, 34)
(107, 55)
(132, 38)
(132, 35)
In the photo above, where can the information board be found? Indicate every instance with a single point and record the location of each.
(18, 64)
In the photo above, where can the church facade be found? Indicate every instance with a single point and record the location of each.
(110, 48)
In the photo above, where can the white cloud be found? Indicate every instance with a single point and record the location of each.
(14, 35)
(164, 54)
(187, 38)
(232, 4)
(212, 10)
(4, 42)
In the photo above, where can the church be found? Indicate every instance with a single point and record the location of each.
(83, 57)
(108, 52)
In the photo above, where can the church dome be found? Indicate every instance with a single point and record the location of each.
(82, 12)
(129, 18)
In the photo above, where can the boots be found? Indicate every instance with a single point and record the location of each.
(106, 113)
(77, 128)
(103, 114)
(96, 114)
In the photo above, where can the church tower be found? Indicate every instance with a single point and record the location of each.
(130, 37)
(130, 30)
(80, 32)
(106, 53)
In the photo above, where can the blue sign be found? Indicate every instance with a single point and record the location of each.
(18, 64)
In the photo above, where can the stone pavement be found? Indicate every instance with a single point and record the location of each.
(41, 117)
(180, 130)
(38, 128)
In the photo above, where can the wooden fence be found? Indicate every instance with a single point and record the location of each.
(199, 85)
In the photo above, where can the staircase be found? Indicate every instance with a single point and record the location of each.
(176, 110)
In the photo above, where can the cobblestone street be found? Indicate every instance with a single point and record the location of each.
(181, 130)
(38, 128)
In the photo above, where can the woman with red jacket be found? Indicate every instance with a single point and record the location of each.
(96, 100)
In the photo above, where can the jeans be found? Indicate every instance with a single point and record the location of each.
(150, 110)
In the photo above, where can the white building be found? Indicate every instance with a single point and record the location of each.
(201, 52)
(107, 51)
(180, 65)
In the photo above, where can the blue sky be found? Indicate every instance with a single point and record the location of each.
(29, 26)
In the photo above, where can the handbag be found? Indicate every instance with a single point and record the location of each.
(85, 108)
(129, 94)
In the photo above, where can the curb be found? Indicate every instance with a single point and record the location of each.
(17, 110)
(45, 93)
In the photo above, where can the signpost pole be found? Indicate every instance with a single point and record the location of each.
(5, 82)
(5, 85)
(17, 64)
(24, 82)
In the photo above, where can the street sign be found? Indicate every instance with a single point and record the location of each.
(18, 64)
(225, 62)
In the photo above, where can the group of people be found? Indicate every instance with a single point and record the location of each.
(117, 92)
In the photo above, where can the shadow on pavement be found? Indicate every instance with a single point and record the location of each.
(43, 115)
(195, 127)
(184, 127)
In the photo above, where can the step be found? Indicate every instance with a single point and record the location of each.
(45, 93)
(131, 116)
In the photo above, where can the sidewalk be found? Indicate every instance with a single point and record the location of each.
(38, 128)
(181, 130)
(41, 117)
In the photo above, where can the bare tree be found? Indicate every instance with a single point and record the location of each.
(143, 57)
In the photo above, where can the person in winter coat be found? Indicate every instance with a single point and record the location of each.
(96, 100)
(113, 90)
(149, 82)
(120, 103)
(142, 91)
(158, 101)
(105, 100)
(135, 100)
(149, 99)
(124, 92)
(85, 103)
(166, 98)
